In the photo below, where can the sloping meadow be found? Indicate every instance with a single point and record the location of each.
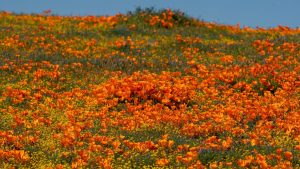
(147, 89)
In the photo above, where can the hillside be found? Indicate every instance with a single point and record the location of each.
(147, 89)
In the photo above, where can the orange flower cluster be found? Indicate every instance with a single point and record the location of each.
(165, 20)
(17, 155)
(16, 95)
(53, 74)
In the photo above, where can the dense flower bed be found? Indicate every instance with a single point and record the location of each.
(147, 89)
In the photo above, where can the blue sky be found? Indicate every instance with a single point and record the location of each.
(262, 13)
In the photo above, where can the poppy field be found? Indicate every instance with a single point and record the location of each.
(147, 89)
